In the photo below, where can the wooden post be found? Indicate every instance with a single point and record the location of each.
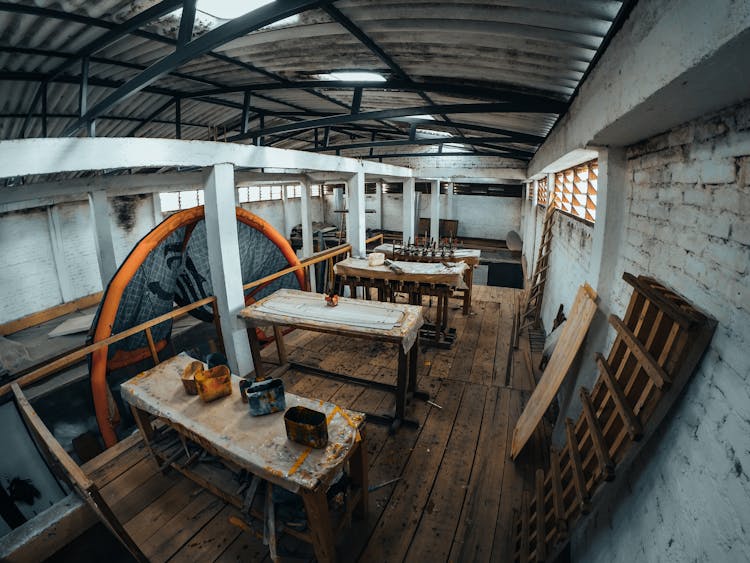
(224, 259)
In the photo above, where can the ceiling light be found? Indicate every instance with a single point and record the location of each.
(353, 76)
(229, 9)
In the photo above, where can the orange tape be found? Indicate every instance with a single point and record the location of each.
(300, 460)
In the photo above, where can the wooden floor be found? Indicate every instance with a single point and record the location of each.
(457, 489)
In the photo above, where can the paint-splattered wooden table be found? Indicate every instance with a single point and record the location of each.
(469, 256)
(417, 279)
(384, 322)
(257, 445)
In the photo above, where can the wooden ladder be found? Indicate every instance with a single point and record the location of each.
(531, 312)
(657, 348)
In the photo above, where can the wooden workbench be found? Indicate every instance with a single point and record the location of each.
(384, 322)
(469, 256)
(417, 279)
(258, 445)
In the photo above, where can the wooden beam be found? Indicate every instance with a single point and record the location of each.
(629, 418)
(644, 357)
(606, 465)
(40, 317)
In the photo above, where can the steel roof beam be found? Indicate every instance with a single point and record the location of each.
(478, 141)
(516, 107)
(426, 154)
(233, 29)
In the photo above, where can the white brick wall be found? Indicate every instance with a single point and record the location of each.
(27, 268)
(689, 200)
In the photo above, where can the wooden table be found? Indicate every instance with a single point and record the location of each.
(469, 256)
(417, 279)
(258, 445)
(384, 322)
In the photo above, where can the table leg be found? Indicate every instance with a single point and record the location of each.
(445, 310)
(260, 373)
(280, 346)
(358, 469)
(413, 363)
(319, 520)
(401, 384)
(439, 317)
(469, 279)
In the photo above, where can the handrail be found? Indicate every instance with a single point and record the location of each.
(319, 256)
(81, 353)
(304, 263)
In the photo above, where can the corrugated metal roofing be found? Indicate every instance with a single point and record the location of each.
(469, 52)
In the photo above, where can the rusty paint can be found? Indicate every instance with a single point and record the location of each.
(214, 383)
(263, 397)
(306, 426)
(188, 377)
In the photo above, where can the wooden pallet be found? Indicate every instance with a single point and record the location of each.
(657, 349)
(532, 308)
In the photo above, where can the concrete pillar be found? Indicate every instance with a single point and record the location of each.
(224, 259)
(610, 212)
(284, 206)
(105, 247)
(156, 202)
(603, 274)
(450, 211)
(409, 226)
(435, 210)
(58, 254)
(379, 203)
(355, 219)
(307, 231)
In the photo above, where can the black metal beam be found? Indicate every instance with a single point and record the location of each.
(229, 31)
(516, 107)
(101, 42)
(423, 154)
(108, 117)
(477, 141)
(151, 116)
(187, 20)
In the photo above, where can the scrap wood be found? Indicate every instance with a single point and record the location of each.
(571, 339)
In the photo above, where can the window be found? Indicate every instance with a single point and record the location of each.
(293, 191)
(541, 192)
(495, 190)
(315, 190)
(175, 201)
(575, 191)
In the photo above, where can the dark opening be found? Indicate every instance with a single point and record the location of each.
(505, 274)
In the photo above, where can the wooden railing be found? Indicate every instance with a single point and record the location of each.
(79, 354)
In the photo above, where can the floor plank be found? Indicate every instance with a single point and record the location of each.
(456, 487)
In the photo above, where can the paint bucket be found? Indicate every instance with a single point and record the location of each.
(263, 397)
(188, 377)
(306, 426)
(214, 383)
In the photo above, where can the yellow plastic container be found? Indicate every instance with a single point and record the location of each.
(214, 383)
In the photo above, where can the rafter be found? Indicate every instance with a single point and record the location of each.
(477, 141)
(517, 107)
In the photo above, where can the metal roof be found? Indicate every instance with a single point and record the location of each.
(490, 77)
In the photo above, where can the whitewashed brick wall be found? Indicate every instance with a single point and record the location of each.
(688, 196)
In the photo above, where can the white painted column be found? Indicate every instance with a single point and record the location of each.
(379, 200)
(105, 247)
(58, 254)
(450, 211)
(224, 259)
(156, 203)
(610, 211)
(409, 227)
(355, 219)
(284, 207)
(307, 232)
(435, 209)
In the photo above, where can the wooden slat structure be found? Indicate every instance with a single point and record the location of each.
(657, 349)
(571, 339)
(531, 312)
